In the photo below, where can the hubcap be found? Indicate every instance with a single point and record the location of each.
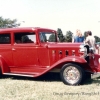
(71, 74)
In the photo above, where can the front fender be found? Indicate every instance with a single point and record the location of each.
(95, 62)
(71, 59)
(74, 59)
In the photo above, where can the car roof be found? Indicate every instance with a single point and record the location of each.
(22, 29)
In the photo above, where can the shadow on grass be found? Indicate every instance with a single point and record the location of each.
(51, 77)
(95, 80)
(45, 77)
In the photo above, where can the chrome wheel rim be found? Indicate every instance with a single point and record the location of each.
(71, 75)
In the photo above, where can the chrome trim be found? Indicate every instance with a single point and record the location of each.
(71, 74)
(18, 74)
(13, 49)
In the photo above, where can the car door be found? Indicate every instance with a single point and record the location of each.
(25, 53)
(6, 58)
(43, 50)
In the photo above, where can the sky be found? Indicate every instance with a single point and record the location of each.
(65, 14)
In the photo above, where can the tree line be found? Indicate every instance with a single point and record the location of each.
(69, 36)
(8, 23)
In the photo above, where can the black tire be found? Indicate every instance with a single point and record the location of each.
(87, 76)
(0, 73)
(72, 71)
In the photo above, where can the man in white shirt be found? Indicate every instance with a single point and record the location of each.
(90, 40)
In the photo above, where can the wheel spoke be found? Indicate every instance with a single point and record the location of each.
(71, 74)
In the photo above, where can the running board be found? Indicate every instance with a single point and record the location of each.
(18, 74)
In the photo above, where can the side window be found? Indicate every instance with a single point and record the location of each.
(5, 38)
(43, 37)
(25, 37)
(47, 37)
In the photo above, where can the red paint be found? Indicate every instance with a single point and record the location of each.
(37, 58)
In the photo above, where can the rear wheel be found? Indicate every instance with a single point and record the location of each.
(72, 74)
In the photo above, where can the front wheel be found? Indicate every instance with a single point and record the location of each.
(72, 74)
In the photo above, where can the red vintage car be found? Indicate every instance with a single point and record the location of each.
(33, 52)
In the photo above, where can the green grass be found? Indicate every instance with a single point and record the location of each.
(47, 88)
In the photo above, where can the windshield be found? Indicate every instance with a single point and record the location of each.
(47, 37)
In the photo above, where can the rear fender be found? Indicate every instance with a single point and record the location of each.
(3, 65)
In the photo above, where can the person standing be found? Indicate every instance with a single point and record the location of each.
(90, 40)
(75, 38)
(81, 37)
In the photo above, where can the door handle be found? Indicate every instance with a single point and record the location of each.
(13, 49)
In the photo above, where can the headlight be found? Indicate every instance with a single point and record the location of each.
(83, 50)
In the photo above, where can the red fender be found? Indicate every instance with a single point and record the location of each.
(3, 65)
(75, 59)
(95, 62)
(72, 59)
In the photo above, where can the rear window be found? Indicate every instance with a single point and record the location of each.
(5, 38)
(25, 37)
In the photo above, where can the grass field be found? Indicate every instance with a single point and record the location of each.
(47, 88)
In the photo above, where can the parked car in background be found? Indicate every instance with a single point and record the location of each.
(33, 52)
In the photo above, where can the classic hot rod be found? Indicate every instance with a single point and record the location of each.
(34, 51)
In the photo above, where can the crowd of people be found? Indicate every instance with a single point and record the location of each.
(89, 40)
